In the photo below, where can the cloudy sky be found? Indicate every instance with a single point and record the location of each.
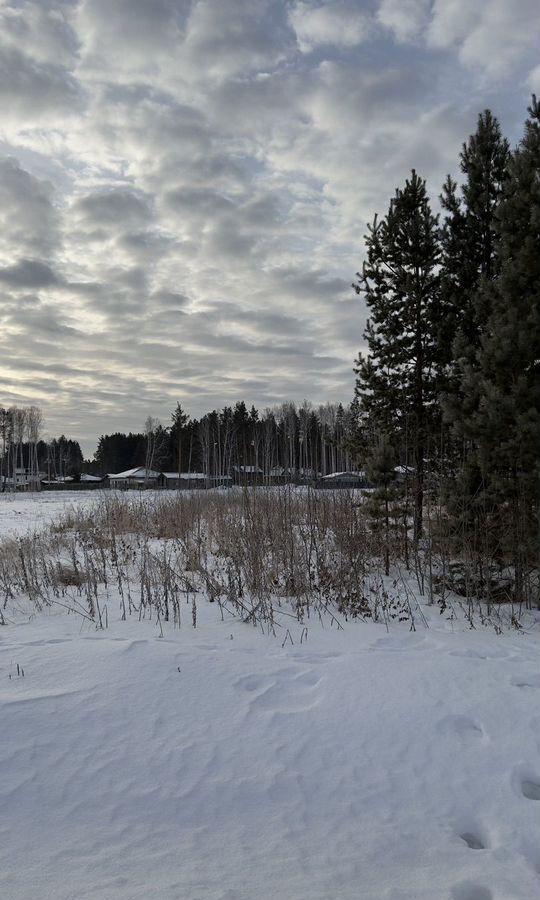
(184, 186)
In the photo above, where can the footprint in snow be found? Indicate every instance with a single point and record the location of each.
(526, 782)
(470, 890)
(465, 728)
(466, 654)
(469, 830)
(252, 683)
(526, 681)
(473, 841)
(400, 643)
(284, 691)
(469, 653)
(316, 658)
(530, 789)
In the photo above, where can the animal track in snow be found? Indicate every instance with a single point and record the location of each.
(466, 654)
(282, 691)
(465, 728)
(470, 890)
(252, 683)
(526, 681)
(472, 840)
(315, 657)
(530, 789)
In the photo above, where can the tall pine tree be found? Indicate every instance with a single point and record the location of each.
(396, 383)
(469, 243)
(505, 424)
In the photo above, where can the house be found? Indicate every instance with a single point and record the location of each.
(283, 475)
(404, 473)
(247, 475)
(184, 480)
(345, 480)
(279, 475)
(22, 479)
(220, 481)
(69, 482)
(139, 477)
(92, 479)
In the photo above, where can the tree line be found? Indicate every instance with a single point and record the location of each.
(297, 439)
(450, 384)
(22, 449)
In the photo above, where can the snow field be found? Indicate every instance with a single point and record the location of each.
(219, 763)
(22, 512)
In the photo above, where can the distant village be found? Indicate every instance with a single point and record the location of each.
(236, 446)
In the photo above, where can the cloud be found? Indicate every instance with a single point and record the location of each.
(29, 273)
(42, 29)
(235, 36)
(340, 24)
(533, 80)
(146, 30)
(185, 186)
(492, 36)
(115, 206)
(30, 88)
(29, 218)
(407, 19)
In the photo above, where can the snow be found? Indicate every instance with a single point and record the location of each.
(220, 763)
(21, 511)
(138, 472)
(188, 476)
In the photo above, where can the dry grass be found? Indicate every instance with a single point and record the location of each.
(301, 553)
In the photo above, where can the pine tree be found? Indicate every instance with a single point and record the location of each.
(505, 425)
(469, 242)
(380, 468)
(396, 383)
(179, 420)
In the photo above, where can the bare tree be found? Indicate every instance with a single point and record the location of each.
(152, 428)
(34, 424)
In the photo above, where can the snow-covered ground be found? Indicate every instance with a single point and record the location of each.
(217, 762)
(21, 512)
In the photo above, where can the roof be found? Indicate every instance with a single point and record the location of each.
(404, 470)
(85, 477)
(139, 472)
(249, 470)
(344, 475)
(185, 476)
(280, 470)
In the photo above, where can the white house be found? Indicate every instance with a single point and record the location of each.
(139, 477)
(343, 480)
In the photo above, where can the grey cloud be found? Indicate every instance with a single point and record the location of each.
(193, 207)
(339, 23)
(145, 245)
(170, 300)
(115, 206)
(226, 240)
(201, 202)
(30, 273)
(407, 19)
(236, 35)
(140, 27)
(45, 322)
(41, 29)
(314, 285)
(29, 220)
(493, 37)
(39, 90)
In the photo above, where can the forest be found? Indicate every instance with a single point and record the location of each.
(451, 382)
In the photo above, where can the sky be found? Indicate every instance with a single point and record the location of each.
(185, 186)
